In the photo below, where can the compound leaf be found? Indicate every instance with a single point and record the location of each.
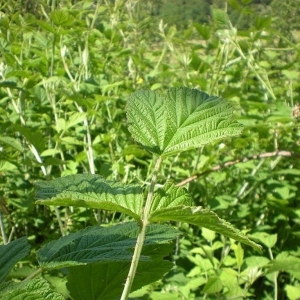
(181, 120)
(93, 191)
(12, 253)
(101, 244)
(203, 218)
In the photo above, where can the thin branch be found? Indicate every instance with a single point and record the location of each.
(233, 162)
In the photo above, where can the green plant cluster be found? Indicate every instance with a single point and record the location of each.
(68, 70)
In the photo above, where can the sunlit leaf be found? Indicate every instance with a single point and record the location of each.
(170, 195)
(93, 191)
(181, 120)
(287, 264)
(37, 289)
(203, 218)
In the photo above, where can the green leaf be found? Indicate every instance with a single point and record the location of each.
(8, 84)
(239, 255)
(293, 292)
(61, 18)
(34, 137)
(12, 142)
(169, 196)
(111, 277)
(269, 240)
(220, 18)
(202, 218)
(262, 22)
(37, 289)
(204, 30)
(46, 26)
(287, 264)
(93, 191)
(74, 119)
(213, 285)
(101, 244)
(181, 120)
(12, 253)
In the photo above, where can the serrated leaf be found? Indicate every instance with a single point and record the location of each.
(12, 253)
(101, 244)
(37, 289)
(169, 196)
(181, 120)
(12, 142)
(111, 277)
(93, 191)
(203, 218)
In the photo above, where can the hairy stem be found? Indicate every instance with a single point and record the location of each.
(141, 237)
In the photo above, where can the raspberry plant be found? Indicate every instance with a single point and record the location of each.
(108, 262)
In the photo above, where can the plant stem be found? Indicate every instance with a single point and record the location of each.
(141, 237)
(4, 238)
(34, 274)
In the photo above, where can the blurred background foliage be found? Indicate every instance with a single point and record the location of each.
(67, 69)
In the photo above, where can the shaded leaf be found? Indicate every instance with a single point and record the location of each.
(181, 120)
(93, 191)
(34, 137)
(111, 277)
(101, 244)
(203, 218)
(11, 254)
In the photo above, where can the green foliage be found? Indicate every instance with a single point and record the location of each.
(67, 71)
(182, 120)
(11, 254)
(87, 190)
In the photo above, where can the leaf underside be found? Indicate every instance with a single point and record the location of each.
(93, 191)
(203, 218)
(181, 120)
(101, 244)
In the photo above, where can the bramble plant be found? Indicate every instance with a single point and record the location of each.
(109, 262)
